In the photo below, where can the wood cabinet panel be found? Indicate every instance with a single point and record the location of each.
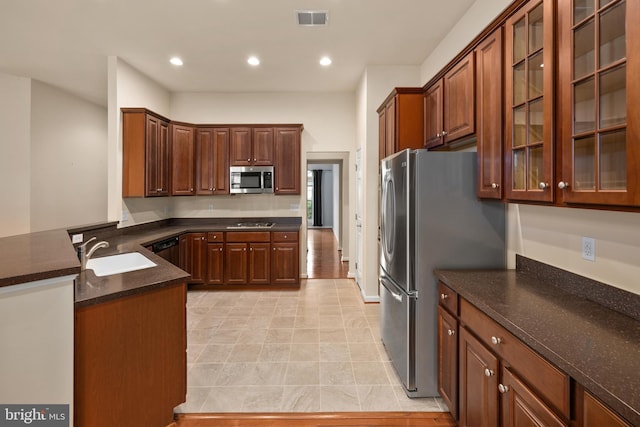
(596, 414)
(215, 264)
(236, 262)
(548, 381)
(448, 298)
(597, 75)
(125, 371)
(433, 115)
(521, 407)
(459, 100)
(212, 161)
(262, 146)
(489, 129)
(193, 256)
(240, 150)
(478, 383)
(448, 360)
(182, 160)
(401, 124)
(287, 173)
(259, 263)
(285, 260)
(529, 102)
(146, 156)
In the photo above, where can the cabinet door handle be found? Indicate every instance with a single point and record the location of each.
(543, 185)
(488, 372)
(220, 249)
(248, 160)
(444, 133)
(495, 185)
(254, 160)
(438, 135)
(213, 189)
(563, 185)
(444, 296)
(210, 188)
(496, 340)
(451, 332)
(503, 388)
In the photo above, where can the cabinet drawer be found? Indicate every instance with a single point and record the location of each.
(248, 236)
(547, 380)
(284, 236)
(448, 298)
(215, 236)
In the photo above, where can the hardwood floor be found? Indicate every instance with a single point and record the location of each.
(359, 419)
(323, 256)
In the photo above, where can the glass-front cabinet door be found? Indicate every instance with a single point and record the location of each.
(529, 107)
(600, 89)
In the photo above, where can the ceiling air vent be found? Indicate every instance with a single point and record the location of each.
(312, 18)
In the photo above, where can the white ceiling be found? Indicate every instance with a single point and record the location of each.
(66, 42)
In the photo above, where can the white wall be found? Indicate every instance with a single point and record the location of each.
(15, 146)
(130, 88)
(335, 200)
(376, 84)
(68, 159)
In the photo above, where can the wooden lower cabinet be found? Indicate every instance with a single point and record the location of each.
(215, 264)
(259, 264)
(522, 407)
(236, 260)
(130, 359)
(448, 360)
(478, 383)
(590, 412)
(193, 256)
(285, 263)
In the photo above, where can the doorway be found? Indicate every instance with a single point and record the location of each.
(326, 210)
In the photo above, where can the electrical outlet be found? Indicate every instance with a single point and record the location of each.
(589, 248)
(77, 238)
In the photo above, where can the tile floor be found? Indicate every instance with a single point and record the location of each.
(316, 349)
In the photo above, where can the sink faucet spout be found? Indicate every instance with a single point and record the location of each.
(83, 255)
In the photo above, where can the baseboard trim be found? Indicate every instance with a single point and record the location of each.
(328, 419)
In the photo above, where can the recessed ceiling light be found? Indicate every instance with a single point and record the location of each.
(325, 61)
(176, 61)
(253, 60)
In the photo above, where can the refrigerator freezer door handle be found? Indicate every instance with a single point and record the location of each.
(395, 296)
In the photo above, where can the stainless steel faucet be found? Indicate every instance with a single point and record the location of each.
(83, 255)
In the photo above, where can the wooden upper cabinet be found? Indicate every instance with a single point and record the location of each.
(212, 161)
(598, 76)
(489, 130)
(449, 105)
(401, 123)
(182, 160)
(286, 169)
(262, 139)
(145, 142)
(251, 146)
(459, 95)
(529, 102)
(433, 115)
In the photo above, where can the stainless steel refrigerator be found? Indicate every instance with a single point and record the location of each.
(430, 218)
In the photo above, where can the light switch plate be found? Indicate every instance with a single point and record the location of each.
(77, 238)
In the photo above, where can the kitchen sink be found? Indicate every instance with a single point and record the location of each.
(251, 225)
(122, 263)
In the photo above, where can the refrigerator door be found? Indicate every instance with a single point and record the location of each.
(398, 330)
(394, 238)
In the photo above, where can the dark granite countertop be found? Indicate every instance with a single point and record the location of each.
(595, 345)
(36, 256)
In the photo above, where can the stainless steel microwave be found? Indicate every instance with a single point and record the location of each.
(251, 179)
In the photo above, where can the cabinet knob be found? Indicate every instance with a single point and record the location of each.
(220, 249)
(444, 133)
(210, 188)
(244, 249)
(215, 237)
(444, 296)
(503, 388)
(438, 135)
(274, 249)
(254, 160)
(248, 160)
(495, 185)
(251, 249)
(286, 237)
(488, 372)
(543, 185)
(213, 189)
(451, 332)
(191, 189)
(496, 340)
(563, 184)
(277, 189)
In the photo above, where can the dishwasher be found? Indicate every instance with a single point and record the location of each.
(168, 249)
